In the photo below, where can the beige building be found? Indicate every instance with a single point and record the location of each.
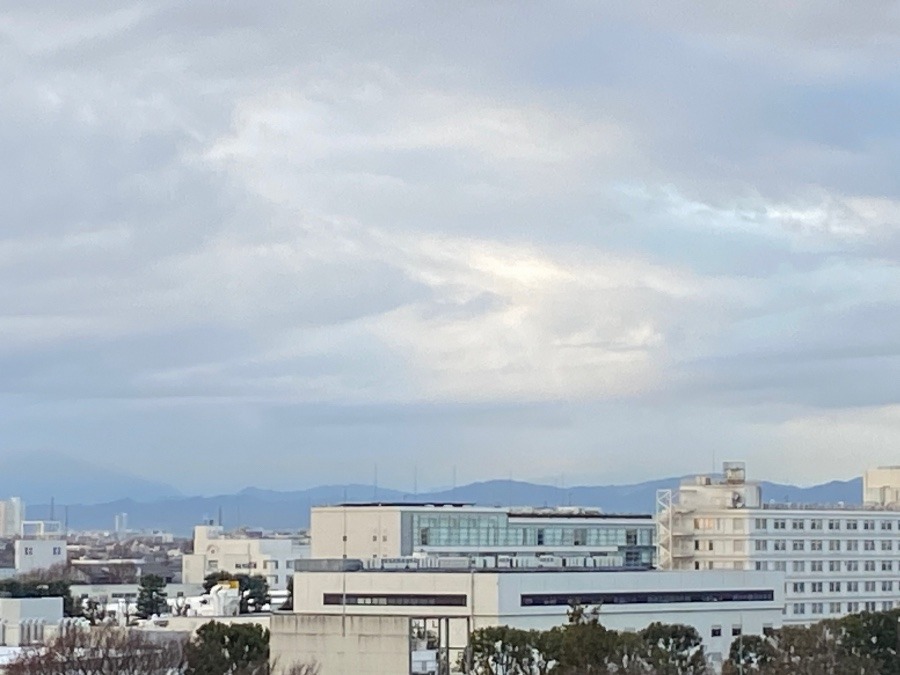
(380, 531)
(400, 622)
(881, 486)
(837, 559)
(240, 553)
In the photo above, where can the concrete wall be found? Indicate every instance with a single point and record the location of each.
(361, 645)
(39, 554)
(372, 532)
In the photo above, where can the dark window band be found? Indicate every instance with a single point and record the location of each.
(394, 599)
(645, 598)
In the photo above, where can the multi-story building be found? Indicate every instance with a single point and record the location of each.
(250, 553)
(837, 559)
(361, 621)
(397, 530)
(32, 555)
(12, 513)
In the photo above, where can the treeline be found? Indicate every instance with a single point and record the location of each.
(862, 644)
(215, 649)
(858, 644)
(584, 646)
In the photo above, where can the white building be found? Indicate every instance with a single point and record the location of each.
(38, 554)
(378, 531)
(12, 513)
(837, 559)
(240, 553)
(361, 621)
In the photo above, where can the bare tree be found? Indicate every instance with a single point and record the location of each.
(103, 650)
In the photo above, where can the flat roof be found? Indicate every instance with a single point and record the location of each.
(412, 504)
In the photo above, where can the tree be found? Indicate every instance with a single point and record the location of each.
(216, 578)
(254, 593)
(105, 650)
(674, 649)
(26, 587)
(749, 654)
(503, 650)
(236, 649)
(151, 598)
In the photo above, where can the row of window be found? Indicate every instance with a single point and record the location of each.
(644, 597)
(799, 608)
(820, 545)
(839, 586)
(531, 535)
(822, 524)
(395, 599)
(826, 565)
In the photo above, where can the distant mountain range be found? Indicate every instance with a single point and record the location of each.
(272, 509)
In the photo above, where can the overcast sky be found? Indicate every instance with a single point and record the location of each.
(277, 243)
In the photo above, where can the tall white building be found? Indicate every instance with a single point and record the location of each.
(837, 559)
(379, 531)
(12, 513)
(242, 553)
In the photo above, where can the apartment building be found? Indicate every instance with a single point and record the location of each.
(837, 559)
(397, 530)
(253, 553)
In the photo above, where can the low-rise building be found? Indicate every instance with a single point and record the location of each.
(376, 531)
(361, 621)
(269, 556)
(32, 555)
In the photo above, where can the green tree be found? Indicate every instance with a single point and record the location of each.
(674, 649)
(749, 654)
(215, 578)
(503, 650)
(151, 596)
(254, 593)
(219, 649)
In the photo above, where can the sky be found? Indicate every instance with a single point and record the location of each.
(284, 244)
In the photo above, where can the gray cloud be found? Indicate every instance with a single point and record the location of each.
(349, 233)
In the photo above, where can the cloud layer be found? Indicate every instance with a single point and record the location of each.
(280, 244)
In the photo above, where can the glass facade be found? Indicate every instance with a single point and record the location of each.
(498, 532)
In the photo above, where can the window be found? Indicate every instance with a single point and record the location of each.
(212, 565)
(887, 566)
(851, 545)
(834, 565)
(737, 545)
(780, 545)
(869, 565)
(852, 586)
(760, 524)
(762, 545)
(540, 538)
(834, 607)
(642, 597)
(709, 545)
(798, 566)
(57, 550)
(887, 545)
(816, 566)
(869, 587)
(796, 524)
(815, 545)
(886, 605)
(735, 631)
(395, 599)
(834, 586)
(870, 606)
(887, 525)
(852, 525)
(581, 537)
(423, 537)
(29, 550)
(631, 538)
(780, 566)
(852, 607)
(799, 608)
(887, 585)
(761, 565)
(798, 545)
(815, 524)
(716, 631)
(818, 608)
(869, 545)
(799, 587)
(834, 524)
(852, 565)
(780, 524)
(834, 544)
(868, 524)
(815, 587)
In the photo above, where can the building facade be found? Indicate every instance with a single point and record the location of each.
(12, 513)
(837, 559)
(32, 555)
(721, 605)
(385, 531)
(240, 553)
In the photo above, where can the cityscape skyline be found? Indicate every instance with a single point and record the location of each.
(293, 242)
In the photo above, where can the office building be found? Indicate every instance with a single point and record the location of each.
(837, 559)
(378, 531)
(361, 621)
(252, 553)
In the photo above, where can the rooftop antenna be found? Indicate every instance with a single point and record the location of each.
(375, 484)
(66, 522)
(220, 515)
(52, 508)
